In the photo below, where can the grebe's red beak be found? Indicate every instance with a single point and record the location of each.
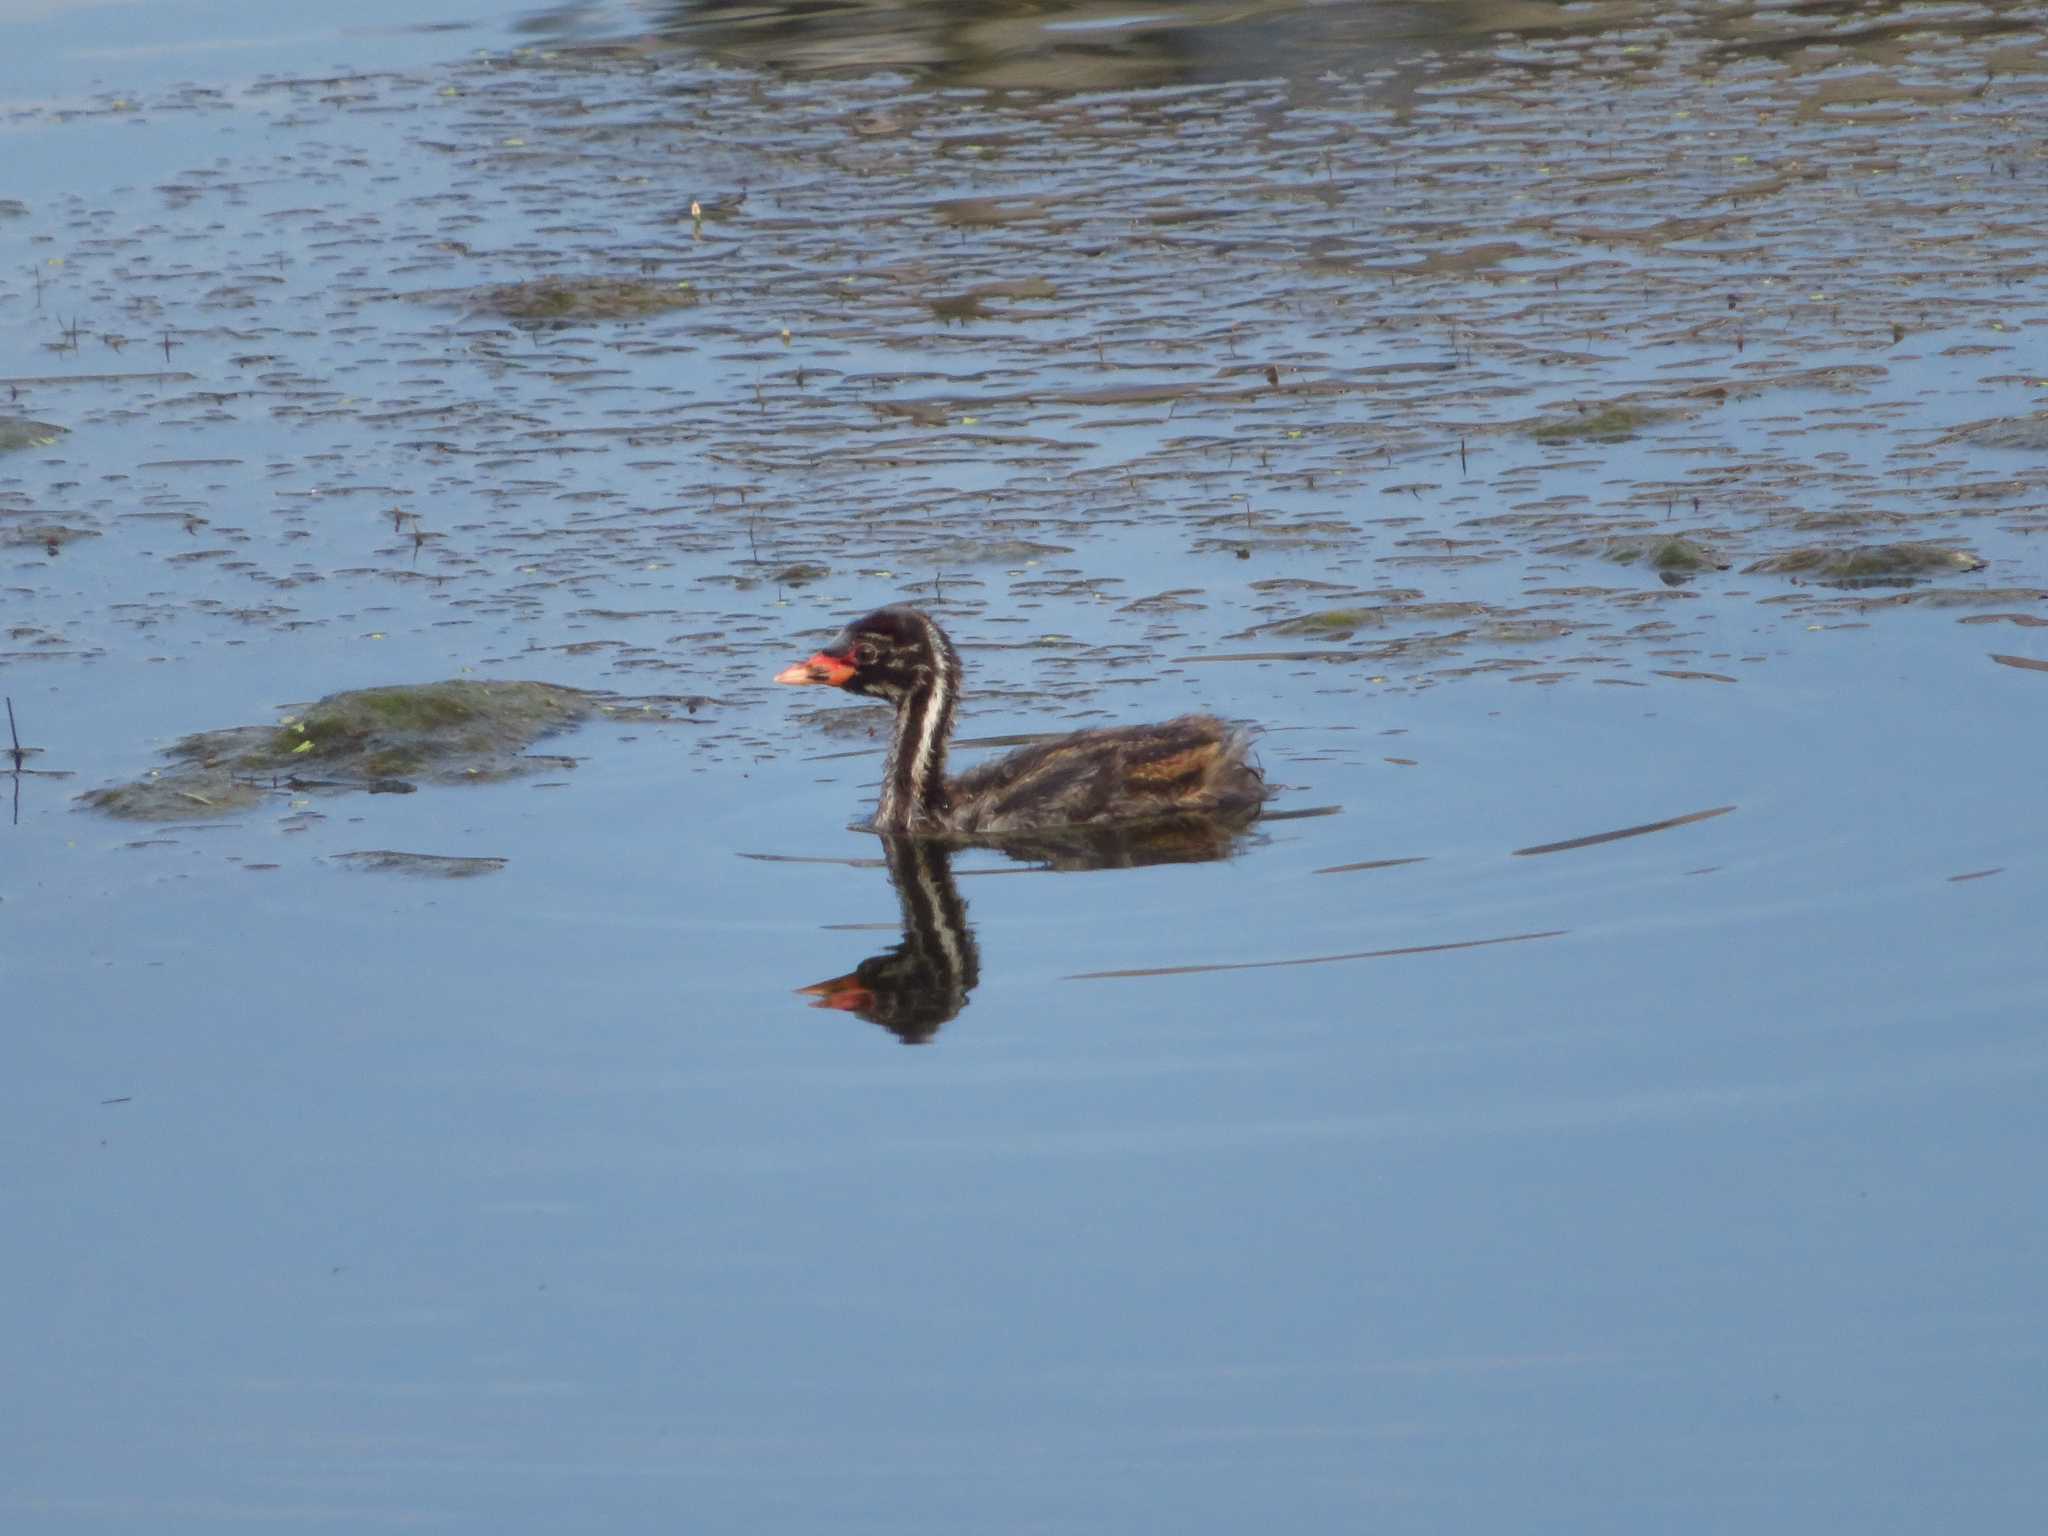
(834, 671)
(845, 993)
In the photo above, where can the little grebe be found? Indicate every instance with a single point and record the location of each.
(1194, 768)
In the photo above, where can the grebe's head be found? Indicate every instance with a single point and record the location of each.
(893, 653)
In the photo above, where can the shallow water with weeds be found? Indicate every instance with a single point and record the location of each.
(1600, 447)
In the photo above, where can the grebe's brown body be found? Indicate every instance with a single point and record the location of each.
(1192, 769)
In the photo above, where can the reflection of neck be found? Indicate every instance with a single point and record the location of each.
(940, 961)
(914, 783)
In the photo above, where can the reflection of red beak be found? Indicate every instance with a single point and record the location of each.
(835, 671)
(844, 993)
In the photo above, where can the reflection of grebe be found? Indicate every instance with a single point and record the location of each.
(917, 986)
(914, 988)
(1190, 770)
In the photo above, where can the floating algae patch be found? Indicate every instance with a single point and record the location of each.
(973, 303)
(1332, 622)
(2027, 433)
(1338, 623)
(1660, 552)
(21, 432)
(973, 551)
(180, 794)
(432, 866)
(52, 536)
(571, 298)
(1608, 424)
(859, 724)
(375, 739)
(1867, 564)
(1827, 519)
(988, 213)
(1951, 597)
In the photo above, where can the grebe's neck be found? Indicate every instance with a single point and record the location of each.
(914, 783)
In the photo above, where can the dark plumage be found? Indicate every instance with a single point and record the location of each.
(1195, 769)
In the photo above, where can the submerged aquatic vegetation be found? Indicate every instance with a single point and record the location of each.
(1660, 552)
(376, 739)
(1602, 424)
(574, 298)
(433, 866)
(1867, 564)
(17, 432)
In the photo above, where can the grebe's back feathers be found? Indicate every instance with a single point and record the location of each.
(1195, 765)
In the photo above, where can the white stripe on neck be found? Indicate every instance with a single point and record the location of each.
(938, 705)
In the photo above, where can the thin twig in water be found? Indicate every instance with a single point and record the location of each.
(18, 754)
